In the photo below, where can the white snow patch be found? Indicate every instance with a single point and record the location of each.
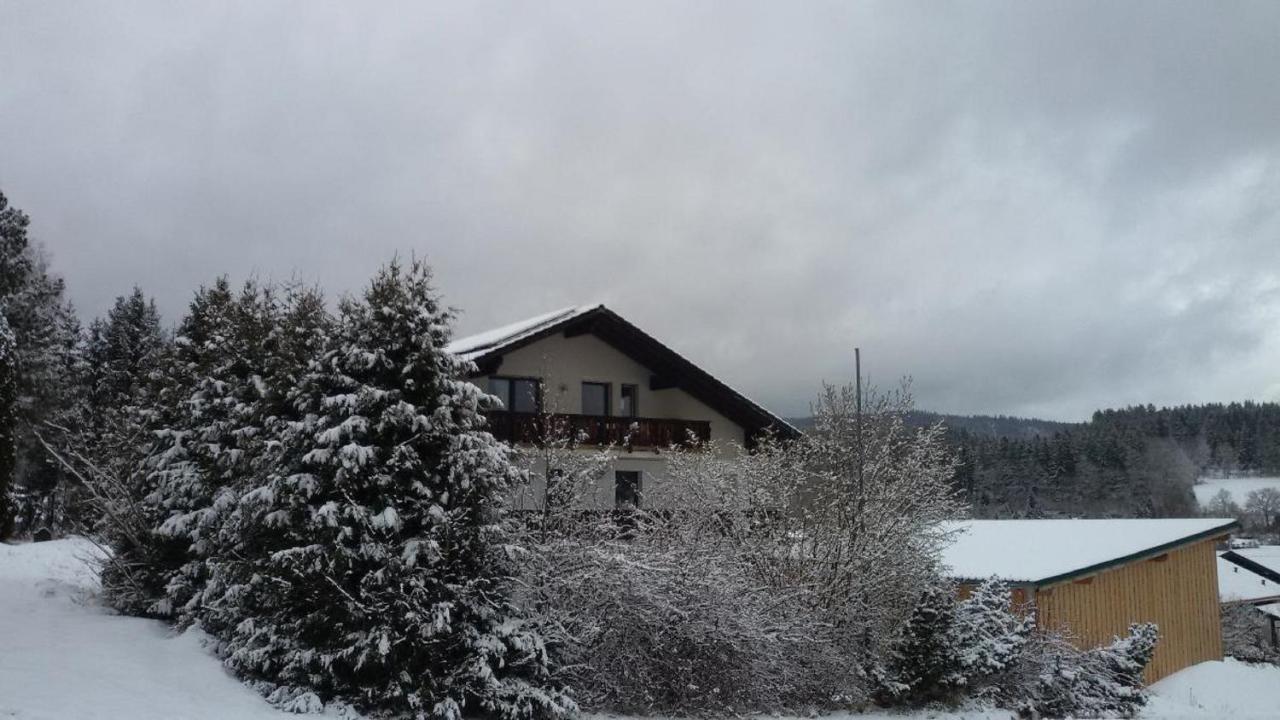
(1219, 689)
(1032, 550)
(1239, 487)
(62, 655)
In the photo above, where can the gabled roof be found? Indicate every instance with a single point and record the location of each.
(1264, 561)
(669, 368)
(1241, 584)
(1044, 552)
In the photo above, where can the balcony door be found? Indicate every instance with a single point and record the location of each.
(517, 394)
(629, 406)
(595, 399)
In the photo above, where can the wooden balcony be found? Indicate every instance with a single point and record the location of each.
(624, 432)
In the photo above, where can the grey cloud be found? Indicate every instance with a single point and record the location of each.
(1031, 208)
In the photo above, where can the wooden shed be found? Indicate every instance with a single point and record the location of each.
(1093, 578)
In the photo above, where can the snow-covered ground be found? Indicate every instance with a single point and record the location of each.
(1239, 487)
(64, 656)
(1230, 689)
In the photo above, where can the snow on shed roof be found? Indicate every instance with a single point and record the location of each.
(1268, 556)
(1240, 584)
(1040, 551)
(1271, 610)
(472, 345)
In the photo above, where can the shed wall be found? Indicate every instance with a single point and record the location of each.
(1179, 593)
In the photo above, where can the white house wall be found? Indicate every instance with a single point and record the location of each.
(564, 364)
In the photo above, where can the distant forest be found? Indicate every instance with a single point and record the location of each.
(1133, 462)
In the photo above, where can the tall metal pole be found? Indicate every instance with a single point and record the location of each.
(857, 396)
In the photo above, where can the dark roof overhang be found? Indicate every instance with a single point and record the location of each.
(669, 369)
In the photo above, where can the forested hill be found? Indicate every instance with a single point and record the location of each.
(995, 426)
(1131, 462)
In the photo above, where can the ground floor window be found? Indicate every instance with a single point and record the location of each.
(626, 489)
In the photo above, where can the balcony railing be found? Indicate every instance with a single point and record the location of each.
(628, 432)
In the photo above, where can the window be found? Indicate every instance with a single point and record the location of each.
(516, 394)
(626, 489)
(628, 406)
(595, 398)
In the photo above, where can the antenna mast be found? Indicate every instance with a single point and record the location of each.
(857, 398)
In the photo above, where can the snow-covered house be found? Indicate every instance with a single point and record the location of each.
(613, 385)
(1093, 578)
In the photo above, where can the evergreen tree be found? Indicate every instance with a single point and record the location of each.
(234, 589)
(206, 422)
(388, 577)
(8, 425)
(117, 420)
(43, 330)
(922, 662)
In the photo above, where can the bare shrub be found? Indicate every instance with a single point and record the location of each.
(766, 580)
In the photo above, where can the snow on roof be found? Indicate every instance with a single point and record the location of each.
(1240, 584)
(1271, 610)
(1038, 550)
(1268, 556)
(473, 346)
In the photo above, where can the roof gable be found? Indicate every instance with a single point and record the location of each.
(669, 368)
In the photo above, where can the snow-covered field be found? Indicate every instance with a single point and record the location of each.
(63, 656)
(1239, 487)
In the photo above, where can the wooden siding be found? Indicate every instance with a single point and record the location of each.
(1177, 590)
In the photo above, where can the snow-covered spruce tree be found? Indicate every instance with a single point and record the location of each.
(234, 591)
(391, 581)
(985, 648)
(8, 425)
(209, 432)
(991, 633)
(952, 649)
(106, 446)
(44, 331)
(922, 665)
(1062, 681)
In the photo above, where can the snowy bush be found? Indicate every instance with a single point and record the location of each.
(951, 650)
(645, 629)
(984, 648)
(1098, 682)
(1246, 635)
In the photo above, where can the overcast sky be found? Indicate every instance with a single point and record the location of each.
(1031, 208)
